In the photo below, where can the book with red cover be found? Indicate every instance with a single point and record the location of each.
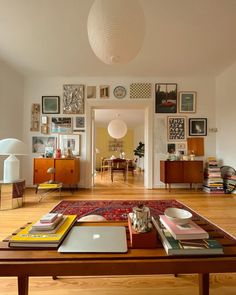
(188, 231)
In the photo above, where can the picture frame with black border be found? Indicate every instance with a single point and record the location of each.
(50, 104)
(78, 123)
(197, 126)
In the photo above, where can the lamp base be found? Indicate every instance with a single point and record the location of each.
(11, 169)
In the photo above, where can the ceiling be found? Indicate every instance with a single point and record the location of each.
(183, 38)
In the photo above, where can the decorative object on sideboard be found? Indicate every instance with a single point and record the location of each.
(111, 25)
(166, 98)
(12, 147)
(73, 99)
(35, 117)
(140, 90)
(197, 126)
(187, 101)
(176, 128)
(50, 105)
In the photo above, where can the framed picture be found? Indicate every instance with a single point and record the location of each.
(91, 91)
(78, 123)
(39, 143)
(61, 125)
(44, 129)
(171, 148)
(35, 117)
(50, 104)
(187, 101)
(176, 128)
(197, 126)
(104, 91)
(73, 99)
(166, 98)
(70, 142)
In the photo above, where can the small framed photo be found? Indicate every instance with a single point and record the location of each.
(104, 91)
(171, 148)
(176, 127)
(70, 142)
(61, 125)
(50, 104)
(197, 126)
(44, 120)
(187, 101)
(91, 91)
(78, 123)
(44, 129)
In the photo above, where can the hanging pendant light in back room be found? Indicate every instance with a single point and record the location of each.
(116, 30)
(117, 128)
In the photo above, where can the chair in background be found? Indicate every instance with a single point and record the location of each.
(130, 166)
(118, 166)
(105, 166)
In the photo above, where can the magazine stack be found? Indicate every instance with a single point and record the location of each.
(213, 182)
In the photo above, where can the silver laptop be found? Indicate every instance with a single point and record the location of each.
(95, 239)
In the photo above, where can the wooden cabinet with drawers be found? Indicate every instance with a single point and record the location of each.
(181, 172)
(67, 171)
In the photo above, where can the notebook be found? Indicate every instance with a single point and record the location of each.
(95, 239)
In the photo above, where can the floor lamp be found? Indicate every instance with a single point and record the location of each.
(12, 147)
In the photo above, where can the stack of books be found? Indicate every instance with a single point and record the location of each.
(187, 239)
(49, 232)
(213, 182)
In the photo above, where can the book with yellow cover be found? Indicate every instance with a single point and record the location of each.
(49, 185)
(52, 240)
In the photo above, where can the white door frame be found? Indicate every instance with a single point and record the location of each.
(148, 136)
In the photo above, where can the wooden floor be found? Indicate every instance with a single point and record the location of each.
(221, 209)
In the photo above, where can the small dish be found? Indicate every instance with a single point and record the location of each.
(178, 216)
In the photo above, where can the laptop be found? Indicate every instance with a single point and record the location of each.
(95, 239)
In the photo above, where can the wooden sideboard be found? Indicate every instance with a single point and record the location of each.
(67, 171)
(181, 172)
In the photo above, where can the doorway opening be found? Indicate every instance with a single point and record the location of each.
(147, 109)
(107, 149)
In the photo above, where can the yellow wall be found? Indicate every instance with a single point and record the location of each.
(102, 144)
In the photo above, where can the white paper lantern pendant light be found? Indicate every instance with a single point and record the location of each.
(116, 30)
(117, 128)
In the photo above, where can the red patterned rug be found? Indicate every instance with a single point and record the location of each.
(118, 210)
(113, 210)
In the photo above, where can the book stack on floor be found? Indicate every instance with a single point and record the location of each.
(213, 182)
(187, 239)
(49, 232)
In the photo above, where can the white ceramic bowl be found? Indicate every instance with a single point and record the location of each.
(178, 216)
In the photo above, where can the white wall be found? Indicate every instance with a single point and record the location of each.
(35, 88)
(226, 116)
(11, 105)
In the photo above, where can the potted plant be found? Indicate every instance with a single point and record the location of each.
(139, 152)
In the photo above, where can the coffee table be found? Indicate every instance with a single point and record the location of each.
(24, 263)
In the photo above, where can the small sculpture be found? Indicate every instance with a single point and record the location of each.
(141, 219)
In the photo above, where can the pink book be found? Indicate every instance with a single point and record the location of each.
(188, 231)
(47, 226)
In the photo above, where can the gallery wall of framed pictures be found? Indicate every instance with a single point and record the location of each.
(63, 116)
